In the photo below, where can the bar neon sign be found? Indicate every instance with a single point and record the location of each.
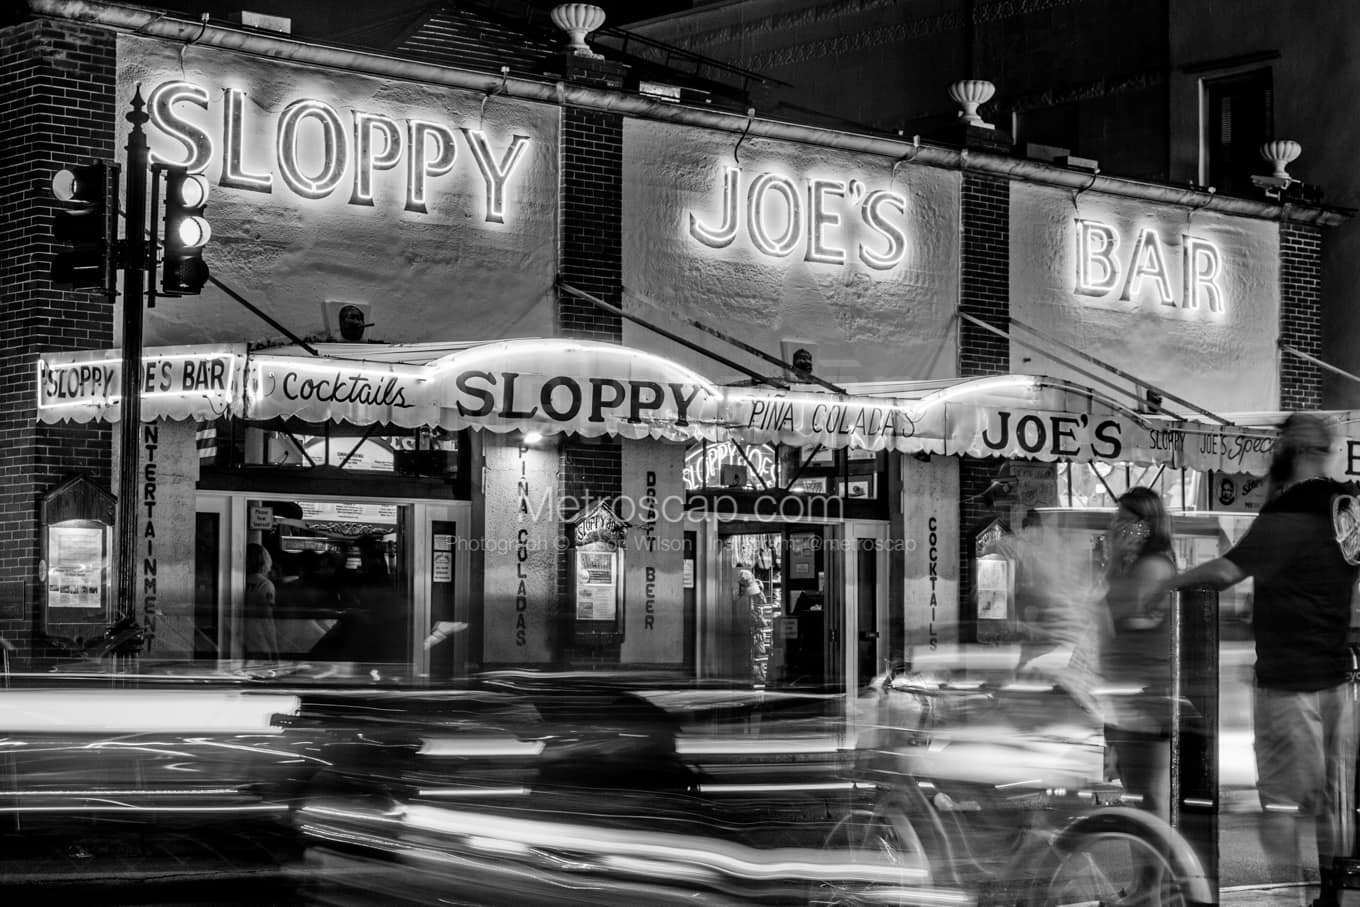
(99, 382)
(315, 150)
(826, 218)
(1144, 273)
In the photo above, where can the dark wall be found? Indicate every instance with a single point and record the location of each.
(1087, 75)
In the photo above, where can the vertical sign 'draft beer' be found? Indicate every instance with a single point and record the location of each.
(520, 550)
(653, 504)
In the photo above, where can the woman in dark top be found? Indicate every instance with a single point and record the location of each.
(1137, 658)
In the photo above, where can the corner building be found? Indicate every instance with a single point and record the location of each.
(585, 488)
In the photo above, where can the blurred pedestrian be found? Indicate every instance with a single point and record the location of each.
(750, 609)
(1136, 658)
(1304, 713)
(1051, 606)
(261, 639)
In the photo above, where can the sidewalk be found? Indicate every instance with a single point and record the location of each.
(1270, 896)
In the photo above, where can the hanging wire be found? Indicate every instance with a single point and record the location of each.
(491, 93)
(750, 118)
(1076, 196)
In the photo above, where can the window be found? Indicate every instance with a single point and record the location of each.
(1239, 118)
(370, 449)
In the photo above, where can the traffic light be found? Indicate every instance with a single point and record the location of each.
(183, 271)
(87, 226)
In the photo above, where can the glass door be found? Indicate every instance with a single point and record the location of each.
(218, 566)
(865, 563)
(329, 579)
(442, 608)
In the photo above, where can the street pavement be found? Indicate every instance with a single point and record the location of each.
(1268, 896)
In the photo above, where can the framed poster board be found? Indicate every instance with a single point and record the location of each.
(597, 582)
(76, 570)
(77, 557)
(995, 587)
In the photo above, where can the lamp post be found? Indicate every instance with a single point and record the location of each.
(130, 408)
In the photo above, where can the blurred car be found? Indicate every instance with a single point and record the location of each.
(592, 790)
(140, 782)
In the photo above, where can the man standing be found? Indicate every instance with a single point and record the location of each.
(1305, 718)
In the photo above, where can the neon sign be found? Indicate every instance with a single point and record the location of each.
(703, 462)
(827, 218)
(100, 381)
(315, 150)
(1145, 272)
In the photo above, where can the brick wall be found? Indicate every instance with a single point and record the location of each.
(985, 275)
(57, 107)
(592, 471)
(1300, 315)
(591, 260)
(984, 294)
(592, 203)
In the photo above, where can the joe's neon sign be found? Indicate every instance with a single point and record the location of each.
(316, 150)
(822, 217)
(1144, 272)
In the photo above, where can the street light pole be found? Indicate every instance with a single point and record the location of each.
(133, 265)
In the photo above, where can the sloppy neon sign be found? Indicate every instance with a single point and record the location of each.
(316, 150)
(99, 382)
(826, 218)
(1144, 273)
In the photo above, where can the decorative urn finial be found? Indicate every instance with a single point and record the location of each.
(1281, 153)
(969, 94)
(578, 20)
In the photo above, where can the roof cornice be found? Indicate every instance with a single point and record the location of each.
(158, 24)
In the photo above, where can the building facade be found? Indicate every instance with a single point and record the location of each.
(528, 393)
(1183, 93)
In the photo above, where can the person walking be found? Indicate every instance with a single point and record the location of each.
(751, 609)
(261, 636)
(1304, 713)
(1136, 657)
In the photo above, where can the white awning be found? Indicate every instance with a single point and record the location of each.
(592, 389)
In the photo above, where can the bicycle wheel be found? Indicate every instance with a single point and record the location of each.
(1108, 869)
(882, 835)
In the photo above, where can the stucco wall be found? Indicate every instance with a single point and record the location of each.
(446, 274)
(930, 495)
(1225, 360)
(862, 321)
(520, 546)
(653, 499)
(1308, 46)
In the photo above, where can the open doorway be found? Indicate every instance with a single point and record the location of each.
(770, 622)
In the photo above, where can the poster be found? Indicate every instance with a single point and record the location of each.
(993, 587)
(75, 570)
(442, 564)
(596, 584)
(802, 556)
